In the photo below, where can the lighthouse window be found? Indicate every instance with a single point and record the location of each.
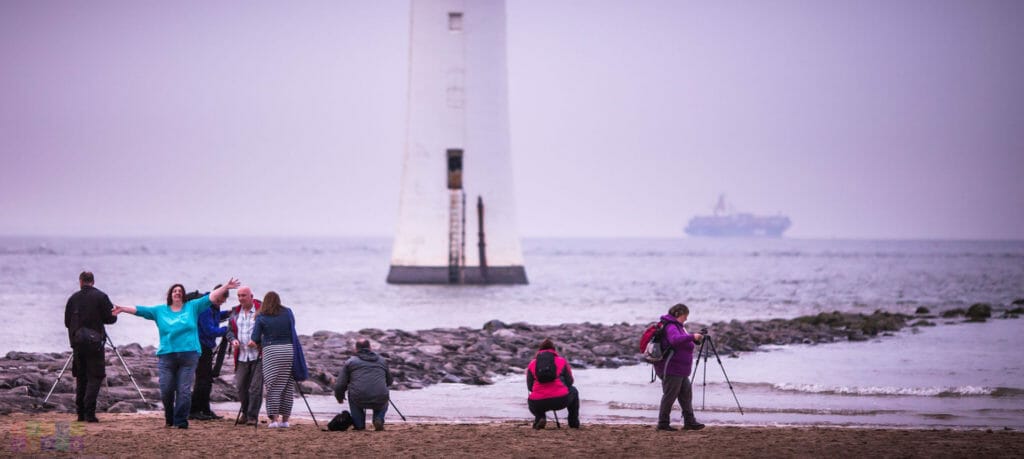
(455, 21)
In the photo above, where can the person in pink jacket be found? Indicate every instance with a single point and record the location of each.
(549, 380)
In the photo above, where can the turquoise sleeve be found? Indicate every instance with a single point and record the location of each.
(201, 304)
(146, 312)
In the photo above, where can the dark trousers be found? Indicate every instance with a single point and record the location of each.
(249, 384)
(676, 389)
(571, 401)
(89, 369)
(204, 383)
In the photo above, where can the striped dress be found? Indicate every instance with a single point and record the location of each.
(277, 379)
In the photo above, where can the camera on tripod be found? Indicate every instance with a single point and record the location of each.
(704, 331)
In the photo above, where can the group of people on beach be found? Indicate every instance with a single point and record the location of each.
(268, 360)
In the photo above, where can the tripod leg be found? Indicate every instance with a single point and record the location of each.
(696, 363)
(396, 408)
(126, 369)
(299, 390)
(726, 376)
(62, 370)
(704, 383)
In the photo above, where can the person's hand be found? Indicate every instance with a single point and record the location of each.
(117, 310)
(251, 343)
(698, 337)
(234, 343)
(233, 283)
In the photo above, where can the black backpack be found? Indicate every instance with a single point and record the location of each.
(340, 422)
(546, 369)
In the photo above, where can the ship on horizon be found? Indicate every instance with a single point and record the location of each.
(724, 222)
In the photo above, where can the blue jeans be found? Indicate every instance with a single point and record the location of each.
(177, 370)
(359, 413)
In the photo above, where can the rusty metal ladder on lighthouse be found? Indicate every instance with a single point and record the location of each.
(456, 236)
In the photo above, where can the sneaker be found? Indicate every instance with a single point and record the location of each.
(273, 425)
(693, 426)
(378, 424)
(539, 423)
(212, 415)
(182, 426)
(91, 418)
(283, 425)
(251, 422)
(668, 428)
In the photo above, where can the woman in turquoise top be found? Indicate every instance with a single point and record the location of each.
(179, 348)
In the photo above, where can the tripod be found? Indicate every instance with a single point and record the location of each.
(106, 342)
(704, 385)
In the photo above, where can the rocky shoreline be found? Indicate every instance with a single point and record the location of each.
(451, 355)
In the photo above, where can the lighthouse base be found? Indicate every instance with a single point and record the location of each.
(471, 275)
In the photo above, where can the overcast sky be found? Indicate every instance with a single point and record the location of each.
(859, 119)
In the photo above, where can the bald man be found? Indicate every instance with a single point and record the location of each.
(248, 359)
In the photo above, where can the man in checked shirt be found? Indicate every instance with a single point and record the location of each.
(248, 366)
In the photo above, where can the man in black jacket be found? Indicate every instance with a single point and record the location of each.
(86, 312)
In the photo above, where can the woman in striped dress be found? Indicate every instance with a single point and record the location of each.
(273, 330)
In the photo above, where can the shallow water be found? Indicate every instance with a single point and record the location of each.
(919, 378)
(338, 284)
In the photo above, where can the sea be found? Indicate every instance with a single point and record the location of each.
(953, 375)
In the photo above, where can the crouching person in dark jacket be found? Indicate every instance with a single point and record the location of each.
(366, 378)
(549, 380)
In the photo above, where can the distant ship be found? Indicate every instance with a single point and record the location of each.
(725, 223)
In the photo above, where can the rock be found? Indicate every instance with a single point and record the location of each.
(431, 349)
(952, 313)
(324, 334)
(506, 333)
(123, 407)
(606, 350)
(493, 325)
(131, 350)
(1018, 302)
(922, 310)
(978, 312)
(923, 323)
(18, 391)
(310, 387)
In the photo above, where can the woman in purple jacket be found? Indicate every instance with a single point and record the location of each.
(675, 370)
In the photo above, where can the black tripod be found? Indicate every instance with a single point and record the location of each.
(707, 341)
(126, 369)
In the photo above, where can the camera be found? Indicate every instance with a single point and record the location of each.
(704, 331)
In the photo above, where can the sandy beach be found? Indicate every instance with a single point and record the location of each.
(143, 434)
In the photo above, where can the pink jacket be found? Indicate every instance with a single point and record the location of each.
(554, 389)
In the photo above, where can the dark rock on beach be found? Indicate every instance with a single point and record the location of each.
(418, 359)
(978, 312)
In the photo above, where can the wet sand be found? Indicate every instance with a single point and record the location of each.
(144, 434)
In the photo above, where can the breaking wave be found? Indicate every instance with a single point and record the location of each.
(959, 391)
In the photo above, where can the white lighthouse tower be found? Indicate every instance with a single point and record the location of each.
(456, 169)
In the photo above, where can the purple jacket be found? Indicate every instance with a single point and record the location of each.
(682, 358)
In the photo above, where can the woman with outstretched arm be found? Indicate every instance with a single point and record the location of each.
(179, 348)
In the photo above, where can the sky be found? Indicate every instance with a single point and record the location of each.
(858, 119)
